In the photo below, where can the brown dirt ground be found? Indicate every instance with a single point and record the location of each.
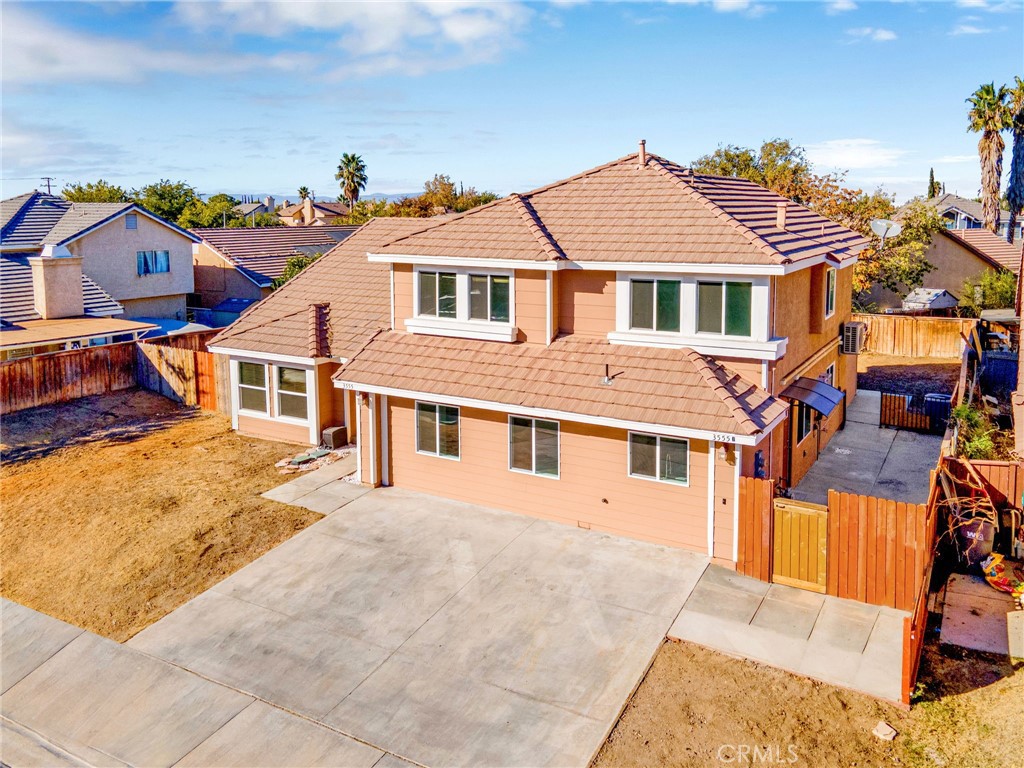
(907, 375)
(695, 702)
(117, 509)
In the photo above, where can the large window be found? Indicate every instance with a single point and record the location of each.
(654, 305)
(659, 458)
(252, 387)
(292, 400)
(437, 430)
(724, 308)
(830, 292)
(533, 446)
(437, 293)
(152, 262)
(804, 421)
(488, 298)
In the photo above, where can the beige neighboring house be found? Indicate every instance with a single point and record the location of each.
(309, 213)
(962, 213)
(958, 255)
(141, 261)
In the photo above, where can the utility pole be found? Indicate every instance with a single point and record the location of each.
(48, 179)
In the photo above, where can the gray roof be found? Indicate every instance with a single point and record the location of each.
(17, 298)
(948, 201)
(246, 208)
(930, 296)
(82, 216)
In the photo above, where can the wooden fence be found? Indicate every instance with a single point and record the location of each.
(915, 336)
(178, 367)
(29, 382)
(1004, 480)
(896, 411)
(755, 535)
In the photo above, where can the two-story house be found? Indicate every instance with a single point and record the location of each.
(141, 261)
(611, 351)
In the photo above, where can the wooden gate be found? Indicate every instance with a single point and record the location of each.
(206, 381)
(800, 543)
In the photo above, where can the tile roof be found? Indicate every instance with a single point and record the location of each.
(358, 292)
(66, 329)
(28, 219)
(989, 246)
(337, 209)
(945, 202)
(665, 387)
(261, 253)
(624, 212)
(244, 209)
(17, 298)
(80, 217)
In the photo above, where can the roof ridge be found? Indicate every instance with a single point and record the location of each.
(536, 226)
(708, 371)
(756, 240)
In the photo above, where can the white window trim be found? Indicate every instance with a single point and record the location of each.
(437, 430)
(533, 447)
(278, 391)
(654, 305)
(831, 281)
(265, 389)
(657, 458)
(830, 370)
(462, 325)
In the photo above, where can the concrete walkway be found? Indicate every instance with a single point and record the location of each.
(870, 460)
(837, 641)
(321, 490)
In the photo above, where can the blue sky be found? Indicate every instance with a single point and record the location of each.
(261, 97)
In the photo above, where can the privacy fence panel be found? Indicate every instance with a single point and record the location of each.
(915, 336)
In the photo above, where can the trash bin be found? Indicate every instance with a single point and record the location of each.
(976, 538)
(937, 407)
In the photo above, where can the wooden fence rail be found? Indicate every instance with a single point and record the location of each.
(1004, 480)
(915, 336)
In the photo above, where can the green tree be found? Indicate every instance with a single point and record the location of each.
(352, 176)
(292, 267)
(992, 289)
(364, 210)
(899, 264)
(211, 213)
(469, 198)
(167, 199)
(1015, 186)
(303, 193)
(439, 192)
(934, 187)
(95, 192)
(989, 116)
(778, 165)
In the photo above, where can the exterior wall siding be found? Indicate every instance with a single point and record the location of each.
(953, 264)
(157, 306)
(531, 305)
(216, 280)
(586, 302)
(725, 502)
(594, 489)
(402, 275)
(273, 430)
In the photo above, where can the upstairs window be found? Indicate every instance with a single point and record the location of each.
(489, 298)
(654, 305)
(437, 294)
(252, 387)
(153, 262)
(830, 292)
(724, 308)
(437, 430)
(131, 221)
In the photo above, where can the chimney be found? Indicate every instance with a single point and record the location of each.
(643, 152)
(780, 215)
(57, 286)
(319, 340)
(268, 203)
(307, 211)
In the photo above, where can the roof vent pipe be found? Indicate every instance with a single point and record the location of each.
(780, 215)
(643, 152)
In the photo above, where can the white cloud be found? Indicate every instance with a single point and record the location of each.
(954, 159)
(875, 34)
(745, 7)
(840, 6)
(969, 29)
(33, 149)
(37, 51)
(992, 6)
(849, 154)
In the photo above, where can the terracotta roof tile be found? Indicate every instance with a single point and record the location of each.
(990, 246)
(677, 388)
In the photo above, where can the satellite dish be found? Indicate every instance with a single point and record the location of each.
(885, 228)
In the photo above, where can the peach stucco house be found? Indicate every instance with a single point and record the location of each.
(612, 351)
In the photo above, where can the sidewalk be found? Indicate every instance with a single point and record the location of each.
(322, 490)
(837, 641)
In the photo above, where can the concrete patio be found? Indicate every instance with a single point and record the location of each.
(322, 490)
(870, 460)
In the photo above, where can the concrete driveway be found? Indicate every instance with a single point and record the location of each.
(439, 632)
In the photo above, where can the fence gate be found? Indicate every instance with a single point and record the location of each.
(800, 543)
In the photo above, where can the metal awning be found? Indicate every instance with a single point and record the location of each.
(818, 395)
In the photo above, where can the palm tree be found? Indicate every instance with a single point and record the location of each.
(989, 116)
(303, 193)
(352, 175)
(1015, 186)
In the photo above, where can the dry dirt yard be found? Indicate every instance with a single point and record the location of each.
(907, 375)
(119, 508)
(698, 708)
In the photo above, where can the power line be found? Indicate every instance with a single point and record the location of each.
(48, 179)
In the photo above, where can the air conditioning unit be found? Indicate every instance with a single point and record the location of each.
(853, 338)
(334, 437)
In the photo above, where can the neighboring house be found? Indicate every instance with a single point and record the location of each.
(48, 305)
(235, 267)
(611, 351)
(308, 213)
(249, 208)
(140, 260)
(962, 213)
(958, 255)
(929, 300)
